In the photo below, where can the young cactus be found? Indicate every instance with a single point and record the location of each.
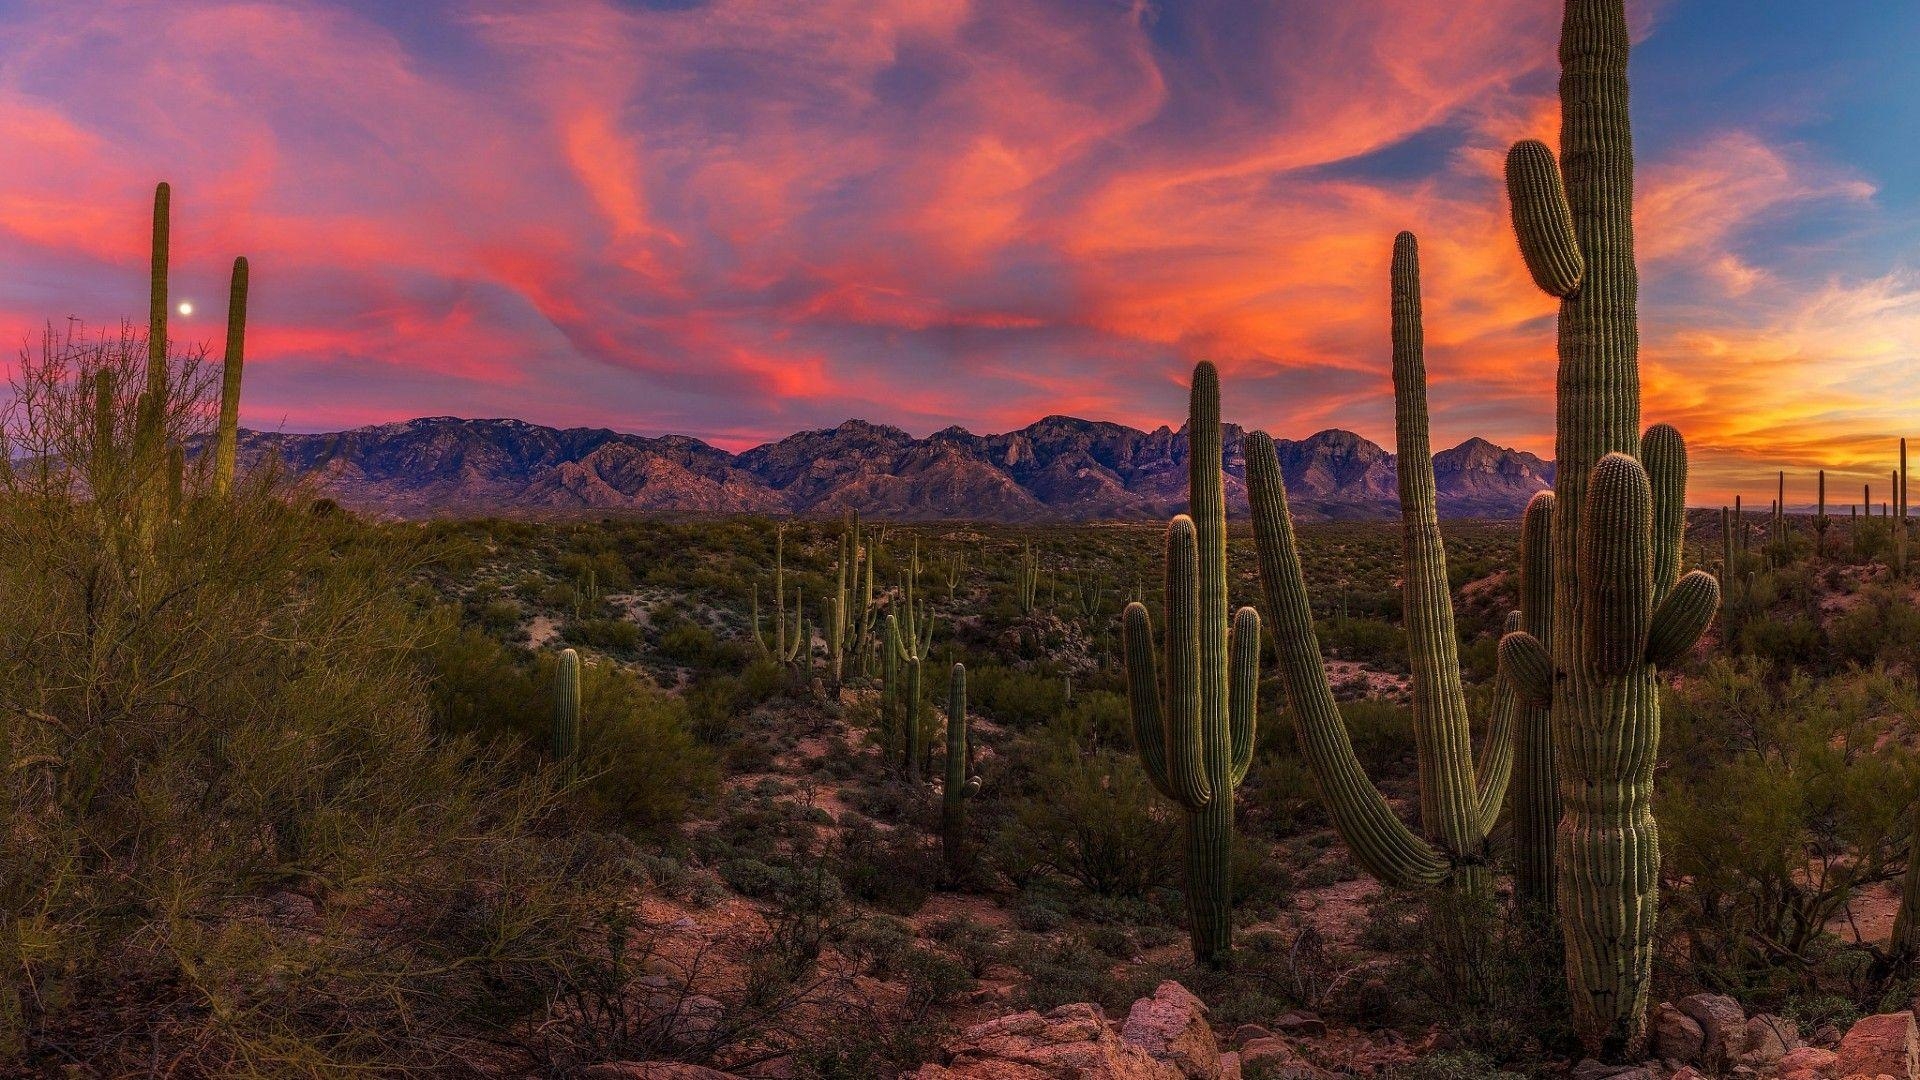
(1459, 799)
(1196, 734)
(961, 784)
(1620, 610)
(566, 716)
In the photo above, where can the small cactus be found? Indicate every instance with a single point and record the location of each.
(566, 716)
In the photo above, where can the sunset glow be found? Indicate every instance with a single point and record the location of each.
(734, 220)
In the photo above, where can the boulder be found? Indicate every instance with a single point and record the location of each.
(1675, 1036)
(652, 1070)
(1723, 1025)
(1071, 1041)
(1888, 1043)
(1172, 1026)
(1300, 1024)
(1806, 1063)
(1273, 1058)
(1246, 1033)
(1769, 1038)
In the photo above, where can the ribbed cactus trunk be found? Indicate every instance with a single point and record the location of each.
(1536, 807)
(157, 298)
(1196, 734)
(960, 784)
(566, 716)
(227, 438)
(890, 687)
(1618, 610)
(1820, 520)
(915, 745)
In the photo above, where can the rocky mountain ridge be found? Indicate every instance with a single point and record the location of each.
(1060, 468)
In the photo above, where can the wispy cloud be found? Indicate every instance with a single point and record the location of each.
(733, 219)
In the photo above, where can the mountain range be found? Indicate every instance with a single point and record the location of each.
(1057, 469)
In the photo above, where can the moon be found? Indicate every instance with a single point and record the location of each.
(186, 307)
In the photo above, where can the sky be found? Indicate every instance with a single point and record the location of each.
(735, 219)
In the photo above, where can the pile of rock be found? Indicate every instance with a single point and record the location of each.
(1708, 1035)
(1164, 1037)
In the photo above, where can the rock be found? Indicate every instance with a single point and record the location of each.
(1071, 1041)
(1806, 1063)
(1230, 1066)
(1172, 1026)
(1686, 1072)
(1589, 1069)
(1826, 1035)
(1300, 1024)
(1675, 1036)
(1769, 1038)
(1273, 1058)
(1723, 1024)
(1246, 1033)
(1888, 1043)
(652, 1070)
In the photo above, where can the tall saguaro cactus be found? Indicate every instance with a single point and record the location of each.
(157, 297)
(1619, 608)
(1459, 799)
(226, 442)
(1196, 733)
(961, 784)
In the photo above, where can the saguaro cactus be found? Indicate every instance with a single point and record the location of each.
(226, 441)
(566, 715)
(1459, 800)
(1196, 734)
(1619, 611)
(157, 297)
(961, 784)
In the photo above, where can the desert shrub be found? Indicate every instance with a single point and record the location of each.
(1371, 641)
(1093, 820)
(1781, 797)
(234, 842)
(609, 635)
(1019, 698)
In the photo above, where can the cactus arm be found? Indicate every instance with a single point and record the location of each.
(1663, 453)
(1616, 557)
(1683, 617)
(1494, 768)
(1183, 715)
(1442, 737)
(1542, 220)
(1143, 695)
(1243, 677)
(1379, 840)
(1526, 662)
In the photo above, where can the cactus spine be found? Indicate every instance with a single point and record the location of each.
(226, 443)
(1618, 609)
(1196, 734)
(961, 784)
(566, 715)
